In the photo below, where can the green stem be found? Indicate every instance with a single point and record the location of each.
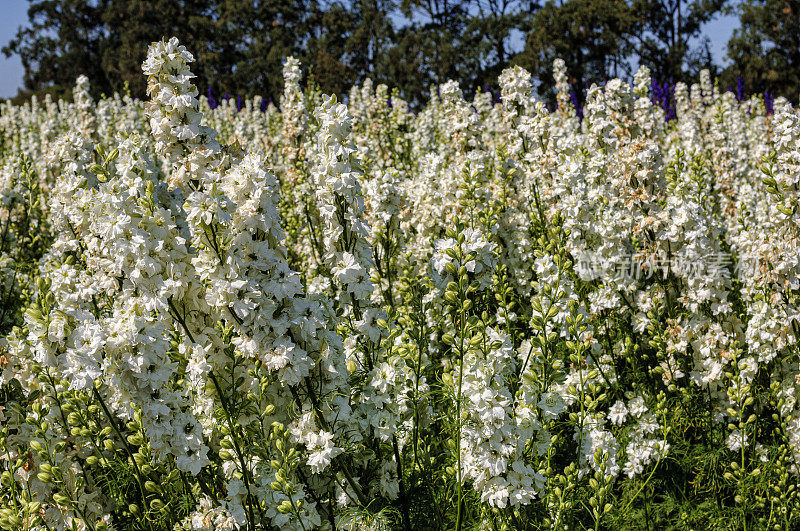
(112, 421)
(237, 449)
(403, 497)
(462, 326)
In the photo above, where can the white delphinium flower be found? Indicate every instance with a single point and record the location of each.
(618, 413)
(637, 406)
(461, 120)
(736, 441)
(320, 450)
(483, 103)
(493, 439)
(518, 105)
(515, 88)
(641, 453)
(232, 217)
(709, 92)
(84, 107)
(341, 204)
(383, 198)
(294, 120)
(433, 195)
(562, 85)
(594, 441)
(348, 253)
(207, 517)
(337, 174)
(237, 240)
(566, 114)
(174, 112)
(649, 117)
(137, 266)
(472, 243)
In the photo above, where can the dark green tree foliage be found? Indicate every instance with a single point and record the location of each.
(64, 39)
(240, 44)
(469, 41)
(251, 41)
(766, 48)
(408, 44)
(349, 42)
(131, 26)
(494, 24)
(352, 43)
(590, 35)
(435, 39)
(664, 31)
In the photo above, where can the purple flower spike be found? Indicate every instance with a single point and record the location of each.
(573, 98)
(739, 89)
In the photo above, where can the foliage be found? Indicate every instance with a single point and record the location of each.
(409, 44)
(765, 49)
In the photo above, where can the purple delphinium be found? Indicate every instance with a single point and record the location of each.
(212, 103)
(769, 101)
(664, 96)
(263, 105)
(669, 101)
(573, 98)
(494, 99)
(239, 103)
(656, 93)
(739, 89)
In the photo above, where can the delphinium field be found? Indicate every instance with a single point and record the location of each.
(482, 315)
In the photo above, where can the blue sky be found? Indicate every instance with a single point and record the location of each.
(15, 13)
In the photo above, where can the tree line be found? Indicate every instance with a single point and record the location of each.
(409, 44)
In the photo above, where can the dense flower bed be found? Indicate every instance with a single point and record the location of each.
(480, 316)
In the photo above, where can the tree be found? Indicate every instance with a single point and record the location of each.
(589, 35)
(409, 44)
(491, 26)
(131, 25)
(434, 35)
(66, 38)
(370, 39)
(350, 41)
(251, 40)
(665, 29)
(766, 48)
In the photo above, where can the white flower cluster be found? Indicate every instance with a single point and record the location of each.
(515, 87)
(326, 314)
(341, 205)
(495, 438)
(473, 244)
(175, 119)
